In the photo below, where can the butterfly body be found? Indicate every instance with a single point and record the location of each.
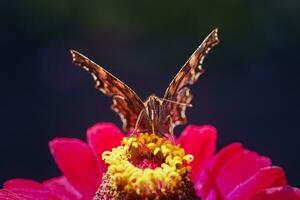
(154, 115)
(153, 106)
(150, 117)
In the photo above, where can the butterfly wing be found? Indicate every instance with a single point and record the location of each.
(126, 103)
(188, 75)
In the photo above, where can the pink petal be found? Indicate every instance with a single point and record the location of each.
(211, 196)
(224, 155)
(266, 178)
(239, 168)
(23, 194)
(78, 164)
(200, 141)
(204, 186)
(103, 137)
(9, 195)
(279, 193)
(62, 188)
(22, 183)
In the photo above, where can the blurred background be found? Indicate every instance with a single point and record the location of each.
(250, 90)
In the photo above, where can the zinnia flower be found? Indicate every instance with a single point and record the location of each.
(111, 166)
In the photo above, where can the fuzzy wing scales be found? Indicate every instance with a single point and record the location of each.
(126, 103)
(178, 89)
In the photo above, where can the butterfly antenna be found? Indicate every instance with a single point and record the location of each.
(176, 102)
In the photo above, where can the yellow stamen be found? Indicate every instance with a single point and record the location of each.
(147, 165)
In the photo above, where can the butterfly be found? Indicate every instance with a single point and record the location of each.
(156, 115)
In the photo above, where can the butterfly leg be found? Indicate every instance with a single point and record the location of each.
(138, 121)
(171, 130)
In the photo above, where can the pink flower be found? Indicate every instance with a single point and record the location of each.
(233, 173)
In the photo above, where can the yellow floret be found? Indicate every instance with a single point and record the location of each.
(162, 179)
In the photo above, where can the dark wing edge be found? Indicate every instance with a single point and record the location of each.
(187, 75)
(126, 103)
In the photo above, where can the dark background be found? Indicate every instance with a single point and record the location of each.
(250, 90)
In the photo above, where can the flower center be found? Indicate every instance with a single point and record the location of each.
(147, 165)
(143, 163)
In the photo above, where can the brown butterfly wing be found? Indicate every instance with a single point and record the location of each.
(126, 103)
(188, 75)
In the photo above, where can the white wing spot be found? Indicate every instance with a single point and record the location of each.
(187, 92)
(207, 50)
(102, 90)
(201, 60)
(176, 123)
(197, 76)
(124, 121)
(94, 76)
(120, 97)
(84, 67)
(182, 113)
